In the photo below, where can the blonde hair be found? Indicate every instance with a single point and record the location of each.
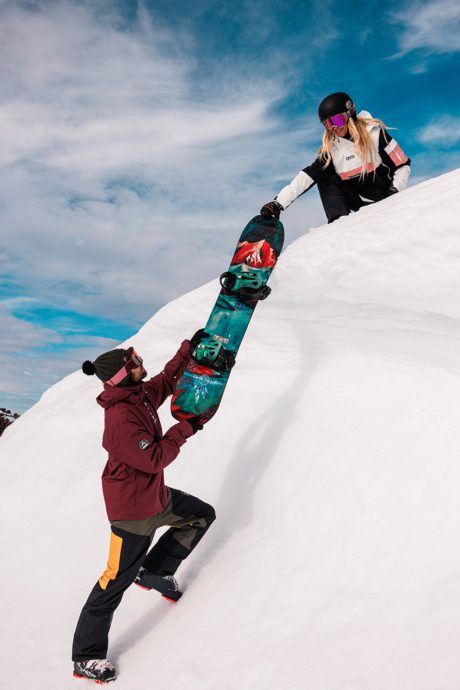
(364, 144)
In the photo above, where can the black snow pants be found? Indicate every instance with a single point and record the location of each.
(189, 519)
(337, 198)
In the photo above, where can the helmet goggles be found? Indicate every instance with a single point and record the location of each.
(339, 120)
(133, 362)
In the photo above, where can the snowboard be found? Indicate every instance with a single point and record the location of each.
(200, 389)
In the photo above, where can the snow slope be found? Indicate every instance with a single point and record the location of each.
(332, 463)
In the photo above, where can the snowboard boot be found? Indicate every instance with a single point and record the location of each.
(99, 670)
(167, 585)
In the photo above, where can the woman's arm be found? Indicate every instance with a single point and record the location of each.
(394, 158)
(401, 177)
(299, 185)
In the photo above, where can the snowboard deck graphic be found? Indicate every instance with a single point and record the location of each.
(200, 389)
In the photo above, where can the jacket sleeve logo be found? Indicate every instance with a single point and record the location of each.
(144, 444)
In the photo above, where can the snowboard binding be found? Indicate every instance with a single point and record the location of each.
(214, 355)
(244, 286)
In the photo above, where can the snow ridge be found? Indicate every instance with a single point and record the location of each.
(332, 464)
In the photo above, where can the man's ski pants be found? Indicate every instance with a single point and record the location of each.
(189, 519)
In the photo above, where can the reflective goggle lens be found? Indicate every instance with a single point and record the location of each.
(136, 359)
(338, 120)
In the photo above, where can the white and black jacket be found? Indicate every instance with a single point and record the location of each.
(392, 168)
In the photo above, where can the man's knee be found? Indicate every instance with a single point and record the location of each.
(210, 514)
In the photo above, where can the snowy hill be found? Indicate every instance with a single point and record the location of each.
(333, 465)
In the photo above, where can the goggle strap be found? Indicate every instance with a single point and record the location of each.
(120, 375)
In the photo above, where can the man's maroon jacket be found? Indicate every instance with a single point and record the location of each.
(132, 481)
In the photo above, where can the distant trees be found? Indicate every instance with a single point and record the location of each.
(6, 418)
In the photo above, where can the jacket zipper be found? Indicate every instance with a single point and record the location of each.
(153, 417)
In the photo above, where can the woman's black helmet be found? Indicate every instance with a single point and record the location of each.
(335, 104)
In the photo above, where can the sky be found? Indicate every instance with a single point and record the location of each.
(139, 138)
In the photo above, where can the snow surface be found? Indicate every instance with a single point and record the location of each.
(333, 465)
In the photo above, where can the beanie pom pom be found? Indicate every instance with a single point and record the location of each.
(88, 368)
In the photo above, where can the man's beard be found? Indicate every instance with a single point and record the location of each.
(137, 383)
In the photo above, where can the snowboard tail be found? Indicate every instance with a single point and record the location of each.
(201, 387)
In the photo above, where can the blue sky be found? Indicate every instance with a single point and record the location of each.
(139, 138)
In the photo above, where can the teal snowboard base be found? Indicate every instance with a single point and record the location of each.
(201, 387)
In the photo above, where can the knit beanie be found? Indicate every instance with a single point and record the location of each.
(107, 365)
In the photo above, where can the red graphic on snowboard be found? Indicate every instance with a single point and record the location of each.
(255, 254)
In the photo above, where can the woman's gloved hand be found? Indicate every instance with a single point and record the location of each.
(273, 208)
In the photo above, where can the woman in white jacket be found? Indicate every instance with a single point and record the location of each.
(358, 163)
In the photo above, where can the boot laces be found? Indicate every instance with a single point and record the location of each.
(98, 665)
(173, 581)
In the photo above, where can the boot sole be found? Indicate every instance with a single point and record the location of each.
(100, 682)
(147, 589)
(174, 601)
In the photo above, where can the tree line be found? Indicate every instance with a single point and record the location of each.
(6, 418)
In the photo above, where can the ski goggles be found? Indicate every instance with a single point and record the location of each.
(339, 120)
(133, 362)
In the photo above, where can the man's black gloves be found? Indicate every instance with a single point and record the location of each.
(194, 423)
(392, 190)
(197, 338)
(271, 209)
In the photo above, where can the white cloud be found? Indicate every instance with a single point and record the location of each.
(433, 26)
(125, 183)
(93, 98)
(19, 335)
(27, 368)
(121, 178)
(443, 131)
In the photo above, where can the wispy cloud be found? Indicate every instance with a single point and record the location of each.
(105, 137)
(443, 131)
(34, 358)
(126, 179)
(431, 26)
(100, 137)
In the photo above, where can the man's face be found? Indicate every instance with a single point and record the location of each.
(138, 373)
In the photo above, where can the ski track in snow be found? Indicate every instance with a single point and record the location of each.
(332, 464)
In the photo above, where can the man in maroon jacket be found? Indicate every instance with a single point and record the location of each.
(136, 498)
